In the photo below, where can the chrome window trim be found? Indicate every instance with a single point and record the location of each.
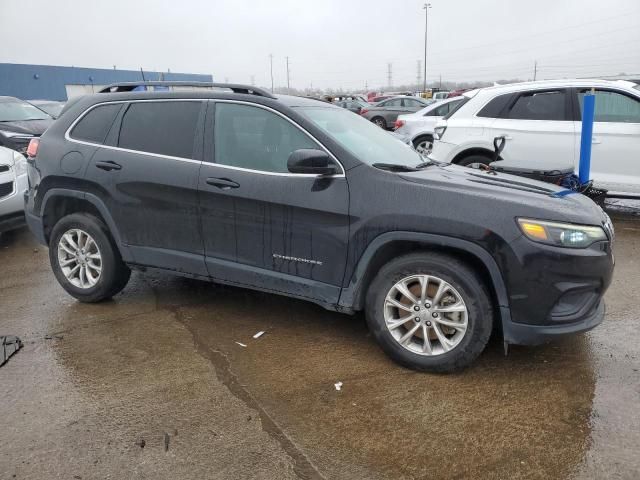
(67, 136)
(300, 127)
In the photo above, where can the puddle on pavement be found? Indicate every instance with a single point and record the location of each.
(564, 410)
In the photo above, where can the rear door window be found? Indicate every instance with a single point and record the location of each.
(396, 102)
(613, 107)
(547, 105)
(164, 128)
(410, 102)
(95, 125)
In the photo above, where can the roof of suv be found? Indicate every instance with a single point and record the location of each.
(563, 82)
(196, 93)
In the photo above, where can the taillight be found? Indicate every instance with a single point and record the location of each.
(363, 111)
(32, 149)
(399, 123)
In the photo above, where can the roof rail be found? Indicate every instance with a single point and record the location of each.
(235, 88)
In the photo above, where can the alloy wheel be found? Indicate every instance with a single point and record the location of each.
(424, 147)
(426, 315)
(79, 258)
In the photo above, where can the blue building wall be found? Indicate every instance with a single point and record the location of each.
(47, 82)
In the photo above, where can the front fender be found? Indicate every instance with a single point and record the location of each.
(352, 296)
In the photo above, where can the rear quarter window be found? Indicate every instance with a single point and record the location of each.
(94, 126)
(496, 106)
(453, 109)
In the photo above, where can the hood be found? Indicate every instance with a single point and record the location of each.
(30, 127)
(534, 198)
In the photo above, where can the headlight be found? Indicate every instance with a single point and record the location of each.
(561, 234)
(438, 132)
(19, 164)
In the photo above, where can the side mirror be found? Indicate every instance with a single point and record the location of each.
(311, 161)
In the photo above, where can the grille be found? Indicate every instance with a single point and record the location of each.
(4, 168)
(6, 189)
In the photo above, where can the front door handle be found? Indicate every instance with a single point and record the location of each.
(506, 137)
(595, 140)
(108, 166)
(222, 183)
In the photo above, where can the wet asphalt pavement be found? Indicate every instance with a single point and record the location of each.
(153, 385)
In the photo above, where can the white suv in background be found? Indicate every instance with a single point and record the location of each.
(416, 129)
(541, 122)
(13, 184)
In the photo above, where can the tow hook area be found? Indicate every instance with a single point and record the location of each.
(9, 345)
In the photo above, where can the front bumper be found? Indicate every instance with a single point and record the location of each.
(554, 291)
(12, 205)
(443, 152)
(523, 334)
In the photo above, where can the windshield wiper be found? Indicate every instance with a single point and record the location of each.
(428, 163)
(392, 167)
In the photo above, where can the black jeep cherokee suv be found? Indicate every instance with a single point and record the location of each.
(298, 197)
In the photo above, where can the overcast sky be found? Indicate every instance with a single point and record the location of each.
(330, 43)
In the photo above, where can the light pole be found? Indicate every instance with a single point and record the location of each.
(271, 64)
(426, 8)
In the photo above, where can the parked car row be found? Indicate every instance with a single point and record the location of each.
(416, 129)
(13, 184)
(20, 122)
(385, 113)
(541, 125)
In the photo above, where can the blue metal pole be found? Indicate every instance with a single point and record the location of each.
(588, 112)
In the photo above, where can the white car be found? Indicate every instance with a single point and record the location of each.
(13, 184)
(416, 129)
(541, 122)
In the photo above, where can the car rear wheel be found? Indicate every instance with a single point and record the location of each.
(430, 312)
(85, 260)
(423, 145)
(379, 121)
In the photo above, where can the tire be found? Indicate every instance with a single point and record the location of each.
(379, 121)
(462, 347)
(113, 275)
(423, 144)
(466, 161)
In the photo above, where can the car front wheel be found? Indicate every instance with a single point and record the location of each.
(430, 312)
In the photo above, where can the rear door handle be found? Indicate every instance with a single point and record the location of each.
(108, 166)
(222, 183)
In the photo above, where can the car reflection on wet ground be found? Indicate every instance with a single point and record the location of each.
(155, 384)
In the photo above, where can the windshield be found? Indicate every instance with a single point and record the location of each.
(362, 138)
(19, 111)
(52, 109)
